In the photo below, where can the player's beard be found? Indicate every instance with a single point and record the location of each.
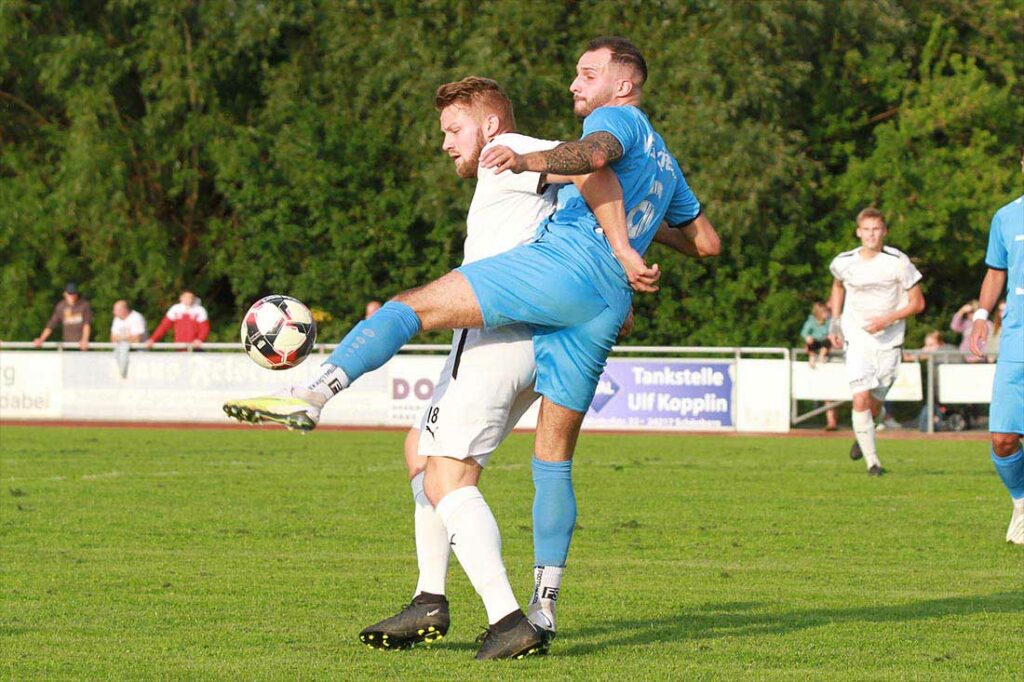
(585, 107)
(466, 167)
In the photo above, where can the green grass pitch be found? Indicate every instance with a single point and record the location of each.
(261, 554)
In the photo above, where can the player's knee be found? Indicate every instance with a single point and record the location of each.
(862, 402)
(1005, 444)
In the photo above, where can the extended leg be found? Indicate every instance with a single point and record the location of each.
(445, 303)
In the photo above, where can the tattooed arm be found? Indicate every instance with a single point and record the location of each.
(593, 152)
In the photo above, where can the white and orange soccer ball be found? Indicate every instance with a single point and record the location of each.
(278, 332)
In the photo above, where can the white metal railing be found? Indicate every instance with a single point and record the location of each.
(931, 359)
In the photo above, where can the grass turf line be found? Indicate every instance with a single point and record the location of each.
(262, 554)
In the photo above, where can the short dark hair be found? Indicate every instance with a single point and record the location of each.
(623, 52)
(476, 91)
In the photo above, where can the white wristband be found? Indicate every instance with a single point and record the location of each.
(980, 314)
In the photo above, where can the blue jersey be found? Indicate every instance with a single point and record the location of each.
(653, 188)
(1006, 252)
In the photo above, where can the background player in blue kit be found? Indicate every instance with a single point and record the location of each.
(572, 285)
(1005, 261)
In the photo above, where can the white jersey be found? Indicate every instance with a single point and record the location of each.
(507, 208)
(874, 287)
(487, 381)
(134, 324)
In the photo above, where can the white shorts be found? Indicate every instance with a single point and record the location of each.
(872, 369)
(485, 387)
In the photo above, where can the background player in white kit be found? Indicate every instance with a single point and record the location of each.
(488, 379)
(875, 289)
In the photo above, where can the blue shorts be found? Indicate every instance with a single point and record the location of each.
(575, 326)
(1006, 413)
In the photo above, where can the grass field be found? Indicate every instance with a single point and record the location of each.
(238, 554)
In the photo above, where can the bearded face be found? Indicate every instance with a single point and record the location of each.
(463, 139)
(595, 82)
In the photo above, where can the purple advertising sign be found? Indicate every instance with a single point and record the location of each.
(663, 394)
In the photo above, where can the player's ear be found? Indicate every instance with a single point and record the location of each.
(492, 124)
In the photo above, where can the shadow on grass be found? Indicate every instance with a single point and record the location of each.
(740, 619)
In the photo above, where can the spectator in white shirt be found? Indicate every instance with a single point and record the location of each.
(128, 326)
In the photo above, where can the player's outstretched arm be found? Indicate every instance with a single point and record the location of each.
(579, 157)
(991, 289)
(697, 239)
(603, 193)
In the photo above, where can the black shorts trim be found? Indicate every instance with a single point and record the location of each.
(458, 354)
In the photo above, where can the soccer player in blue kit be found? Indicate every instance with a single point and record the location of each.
(572, 285)
(1005, 261)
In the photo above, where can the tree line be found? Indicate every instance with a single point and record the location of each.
(239, 149)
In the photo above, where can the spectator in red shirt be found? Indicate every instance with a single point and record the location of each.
(189, 319)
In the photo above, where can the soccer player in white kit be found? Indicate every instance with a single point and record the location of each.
(487, 382)
(875, 288)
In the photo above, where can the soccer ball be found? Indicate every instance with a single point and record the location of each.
(278, 332)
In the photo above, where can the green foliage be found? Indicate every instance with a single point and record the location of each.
(244, 148)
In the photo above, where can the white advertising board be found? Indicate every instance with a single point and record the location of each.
(827, 381)
(635, 394)
(30, 386)
(965, 383)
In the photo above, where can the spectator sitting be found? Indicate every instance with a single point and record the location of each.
(189, 319)
(815, 333)
(128, 326)
(371, 308)
(74, 314)
(962, 324)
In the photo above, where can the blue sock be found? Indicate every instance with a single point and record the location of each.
(373, 342)
(554, 512)
(1011, 470)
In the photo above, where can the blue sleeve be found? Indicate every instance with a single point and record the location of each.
(684, 206)
(618, 122)
(996, 257)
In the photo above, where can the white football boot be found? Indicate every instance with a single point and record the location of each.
(294, 408)
(1015, 533)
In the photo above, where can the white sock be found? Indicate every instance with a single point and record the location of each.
(473, 534)
(547, 583)
(432, 548)
(330, 383)
(864, 429)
